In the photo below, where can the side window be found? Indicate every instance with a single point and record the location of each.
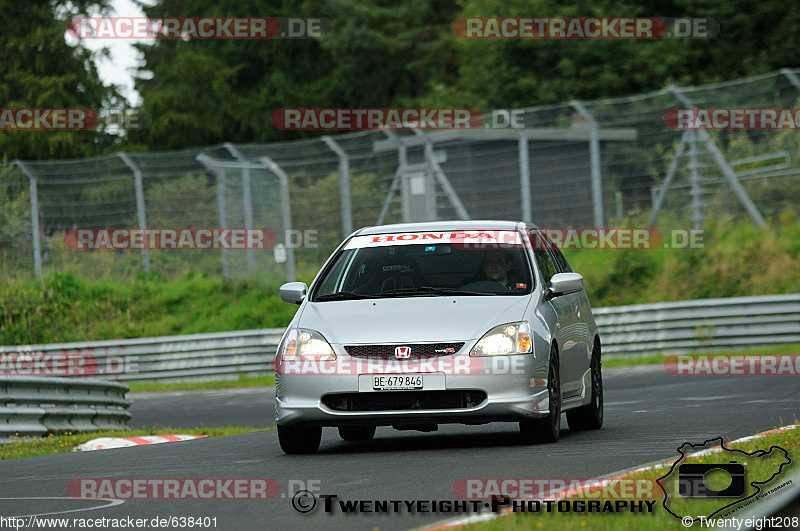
(561, 260)
(546, 265)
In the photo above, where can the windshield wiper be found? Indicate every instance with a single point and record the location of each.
(344, 296)
(430, 290)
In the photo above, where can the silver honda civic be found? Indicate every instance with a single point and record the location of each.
(419, 324)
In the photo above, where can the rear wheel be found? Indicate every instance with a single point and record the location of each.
(356, 433)
(299, 439)
(590, 417)
(548, 429)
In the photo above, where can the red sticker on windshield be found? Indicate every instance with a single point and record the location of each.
(520, 285)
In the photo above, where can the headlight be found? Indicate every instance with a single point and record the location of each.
(307, 345)
(511, 338)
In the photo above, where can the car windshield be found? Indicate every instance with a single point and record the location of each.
(373, 268)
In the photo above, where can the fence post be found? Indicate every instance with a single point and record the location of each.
(733, 181)
(344, 185)
(673, 167)
(37, 241)
(723, 165)
(223, 220)
(525, 177)
(696, 191)
(594, 157)
(140, 207)
(247, 198)
(794, 79)
(286, 212)
(402, 161)
(440, 175)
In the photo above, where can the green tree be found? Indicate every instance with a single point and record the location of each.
(204, 91)
(753, 38)
(41, 70)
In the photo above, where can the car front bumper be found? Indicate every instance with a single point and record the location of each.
(510, 388)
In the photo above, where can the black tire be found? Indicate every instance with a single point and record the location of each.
(590, 416)
(548, 429)
(356, 433)
(299, 439)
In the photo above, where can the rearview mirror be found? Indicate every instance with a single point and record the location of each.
(294, 292)
(565, 283)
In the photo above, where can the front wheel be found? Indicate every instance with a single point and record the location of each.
(299, 439)
(548, 429)
(590, 417)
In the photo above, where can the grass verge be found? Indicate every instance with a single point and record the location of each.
(658, 359)
(660, 518)
(65, 443)
(246, 381)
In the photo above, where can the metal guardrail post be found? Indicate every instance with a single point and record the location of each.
(594, 155)
(37, 236)
(140, 206)
(524, 178)
(223, 220)
(286, 212)
(344, 185)
(247, 199)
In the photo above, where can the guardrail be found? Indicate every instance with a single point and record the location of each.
(195, 357)
(37, 405)
(673, 327)
(778, 504)
(700, 325)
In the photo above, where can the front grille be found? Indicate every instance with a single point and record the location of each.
(400, 400)
(418, 350)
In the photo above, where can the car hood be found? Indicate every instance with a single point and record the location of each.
(411, 319)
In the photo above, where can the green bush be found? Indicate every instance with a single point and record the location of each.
(737, 259)
(64, 307)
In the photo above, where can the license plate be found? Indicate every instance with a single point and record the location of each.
(387, 382)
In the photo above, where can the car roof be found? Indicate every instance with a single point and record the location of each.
(442, 226)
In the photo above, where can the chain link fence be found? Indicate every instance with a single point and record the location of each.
(578, 164)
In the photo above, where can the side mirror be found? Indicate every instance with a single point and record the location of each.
(565, 283)
(294, 292)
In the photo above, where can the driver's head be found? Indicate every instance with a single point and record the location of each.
(496, 265)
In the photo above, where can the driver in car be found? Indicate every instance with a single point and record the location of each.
(496, 267)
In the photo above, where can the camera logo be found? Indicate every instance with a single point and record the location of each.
(694, 479)
(710, 478)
